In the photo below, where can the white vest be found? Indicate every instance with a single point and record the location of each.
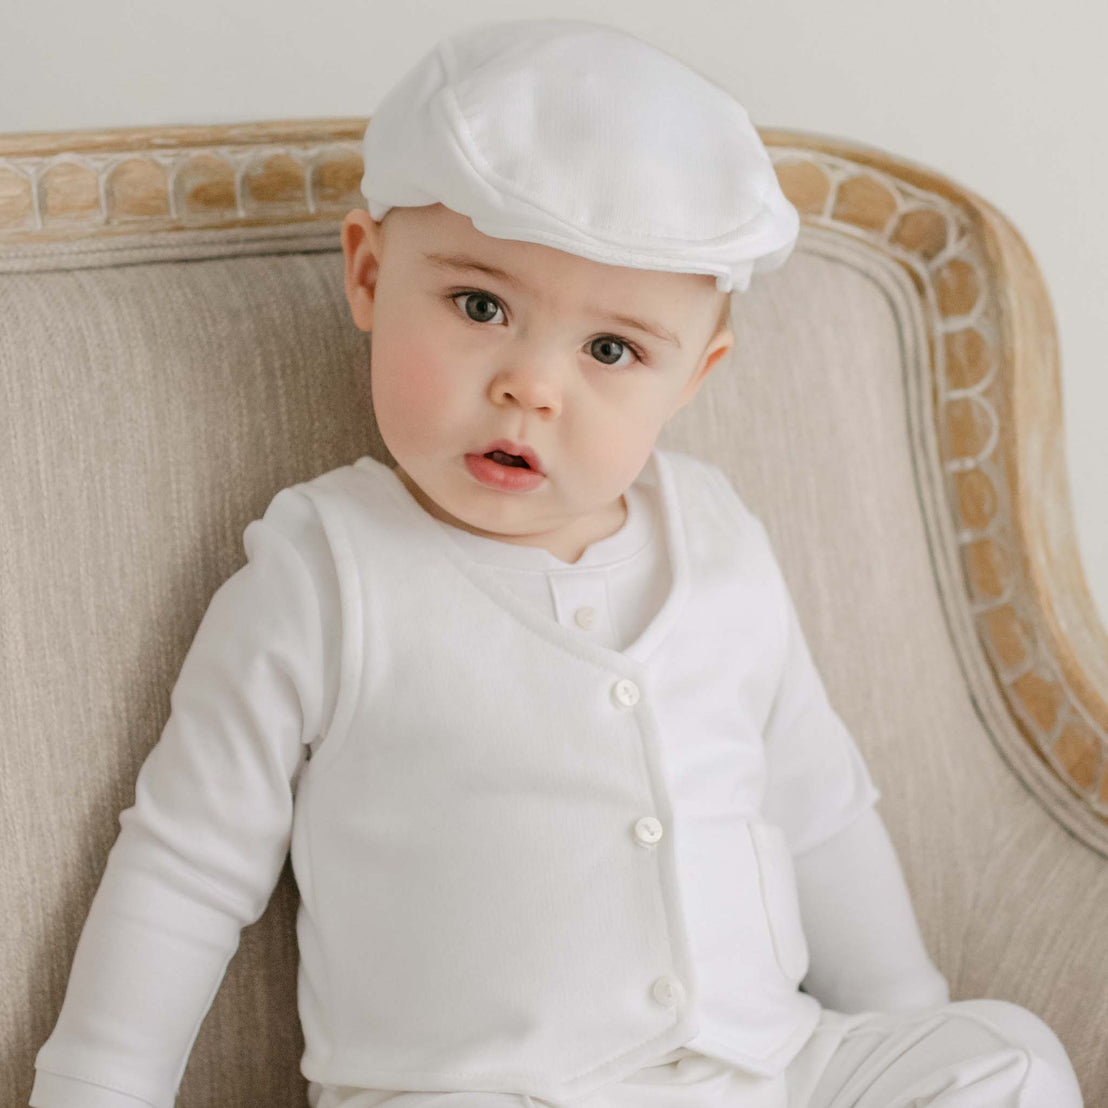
(483, 839)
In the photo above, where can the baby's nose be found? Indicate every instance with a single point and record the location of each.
(531, 388)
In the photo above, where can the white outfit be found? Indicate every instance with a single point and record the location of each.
(497, 909)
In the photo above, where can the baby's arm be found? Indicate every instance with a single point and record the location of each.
(201, 849)
(866, 950)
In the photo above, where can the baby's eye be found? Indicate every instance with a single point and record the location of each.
(478, 305)
(609, 347)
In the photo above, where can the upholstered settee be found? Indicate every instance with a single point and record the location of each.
(175, 347)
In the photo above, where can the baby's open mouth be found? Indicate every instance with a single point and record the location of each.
(507, 459)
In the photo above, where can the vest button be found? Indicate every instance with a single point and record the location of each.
(667, 991)
(626, 693)
(648, 830)
(585, 617)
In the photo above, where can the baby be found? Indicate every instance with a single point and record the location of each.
(571, 817)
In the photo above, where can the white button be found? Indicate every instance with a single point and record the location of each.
(667, 991)
(648, 830)
(585, 617)
(626, 693)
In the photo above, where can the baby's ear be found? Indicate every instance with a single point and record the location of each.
(361, 250)
(715, 351)
(718, 347)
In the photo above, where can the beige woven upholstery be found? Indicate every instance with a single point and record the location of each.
(175, 347)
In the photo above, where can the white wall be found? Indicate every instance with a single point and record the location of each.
(1005, 96)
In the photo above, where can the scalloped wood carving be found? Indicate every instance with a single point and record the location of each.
(196, 177)
(997, 394)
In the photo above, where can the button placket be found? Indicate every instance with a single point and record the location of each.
(666, 990)
(581, 601)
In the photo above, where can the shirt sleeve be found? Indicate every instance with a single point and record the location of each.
(201, 849)
(866, 951)
(816, 779)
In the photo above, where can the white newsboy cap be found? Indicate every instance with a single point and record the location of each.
(582, 137)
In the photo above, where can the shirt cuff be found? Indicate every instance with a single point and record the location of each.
(866, 951)
(54, 1090)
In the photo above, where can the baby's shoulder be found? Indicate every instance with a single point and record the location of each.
(693, 471)
(347, 487)
(304, 511)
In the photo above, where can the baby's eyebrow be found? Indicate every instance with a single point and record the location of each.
(463, 261)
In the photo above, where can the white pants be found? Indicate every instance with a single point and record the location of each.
(966, 1054)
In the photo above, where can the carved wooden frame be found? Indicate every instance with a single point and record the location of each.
(995, 384)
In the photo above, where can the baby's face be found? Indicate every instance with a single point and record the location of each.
(536, 353)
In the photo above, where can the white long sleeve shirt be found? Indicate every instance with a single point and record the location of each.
(264, 679)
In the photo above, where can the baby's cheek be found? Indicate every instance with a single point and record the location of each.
(625, 444)
(411, 391)
(419, 379)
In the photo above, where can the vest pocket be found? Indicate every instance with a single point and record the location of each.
(779, 895)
